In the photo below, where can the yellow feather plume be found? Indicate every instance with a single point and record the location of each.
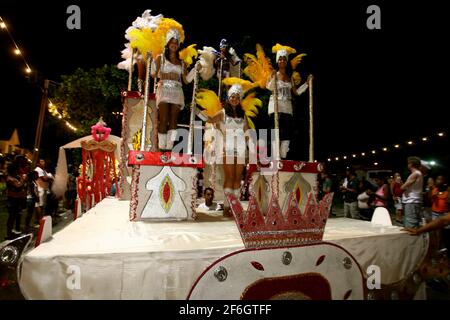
(246, 85)
(278, 46)
(295, 61)
(209, 101)
(250, 106)
(188, 53)
(258, 68)
(143, 40)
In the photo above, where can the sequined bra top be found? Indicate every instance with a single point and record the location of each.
(231, 123)
(168, 67)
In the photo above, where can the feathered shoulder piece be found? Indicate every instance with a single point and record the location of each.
(258, 67)
(250, 105)
(296, 60)
(188, 53)
(279, 47)
(209, 101)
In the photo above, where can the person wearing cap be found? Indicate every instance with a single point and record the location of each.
(171, 72)
(286, 84)
(412, 194)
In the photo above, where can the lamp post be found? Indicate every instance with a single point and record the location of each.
(37, 139)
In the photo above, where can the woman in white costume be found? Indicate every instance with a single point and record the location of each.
(233, 122)
(287, 83)
(171, 72)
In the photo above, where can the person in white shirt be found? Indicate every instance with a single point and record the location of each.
(412, 194)
(43, 183)
(209, 204)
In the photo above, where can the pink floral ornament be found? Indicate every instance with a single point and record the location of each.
(99, 131)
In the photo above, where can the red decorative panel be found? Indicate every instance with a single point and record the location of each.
(164, 159)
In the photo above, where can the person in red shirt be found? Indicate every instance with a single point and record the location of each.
(439, 195)
(397, 192)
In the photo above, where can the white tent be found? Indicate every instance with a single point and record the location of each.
(60, 184)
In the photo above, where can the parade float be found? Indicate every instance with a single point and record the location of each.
(149, 243)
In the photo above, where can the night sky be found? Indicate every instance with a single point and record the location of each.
(372, 87)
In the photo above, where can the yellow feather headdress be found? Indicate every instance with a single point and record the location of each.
(188, 53)
(282, 51)
(258, 67)
(146, 40)
(249, 104)
(238, 85)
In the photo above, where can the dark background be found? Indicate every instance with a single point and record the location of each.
(373, 88)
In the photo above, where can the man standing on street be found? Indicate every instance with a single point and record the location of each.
(350, 191)
(412, 194)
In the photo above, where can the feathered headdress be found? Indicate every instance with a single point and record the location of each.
(258, 67)
(238, 85)
(188, 53)
(147, 40)
(209, 101)
(282, 51)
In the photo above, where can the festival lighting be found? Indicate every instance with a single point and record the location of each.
(17, 51)
(396, 146)
(432, 163)
(28, 70)
(2, 25)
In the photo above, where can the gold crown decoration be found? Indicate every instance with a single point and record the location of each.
(275, 228)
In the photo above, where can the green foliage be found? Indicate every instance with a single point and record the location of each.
(86, 95)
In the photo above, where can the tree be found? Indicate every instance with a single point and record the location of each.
(86, 95)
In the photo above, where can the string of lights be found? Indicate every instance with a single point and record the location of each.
(16, 49)
(52, 108)
(385, 149)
